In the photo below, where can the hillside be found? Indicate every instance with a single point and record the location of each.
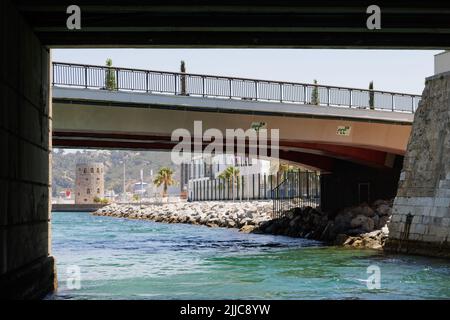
(64, 162)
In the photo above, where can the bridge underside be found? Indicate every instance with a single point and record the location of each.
(317, 156)
(244, 23)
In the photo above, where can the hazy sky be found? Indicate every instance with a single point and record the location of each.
(391, 70)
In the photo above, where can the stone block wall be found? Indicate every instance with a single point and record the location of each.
(26, 266)
(421, 214)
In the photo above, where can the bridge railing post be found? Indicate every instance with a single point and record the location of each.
(393, 102)
(328, 96)
(256, 90)
(85, 77)
(281, 92)
(203, 86)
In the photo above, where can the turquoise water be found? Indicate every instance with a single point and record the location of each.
(131, 259)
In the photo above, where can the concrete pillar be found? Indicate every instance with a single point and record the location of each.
(421, 214)
(26, 266)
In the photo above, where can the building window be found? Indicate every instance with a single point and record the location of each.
(85, 200)
(84, 170)
(88, 191)
(98, 190)
(92, 170)
(98, 170)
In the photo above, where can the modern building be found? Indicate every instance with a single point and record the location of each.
(89, 182)
(203, 173)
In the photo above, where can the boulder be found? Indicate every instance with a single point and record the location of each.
(247, 229)
(363, 222)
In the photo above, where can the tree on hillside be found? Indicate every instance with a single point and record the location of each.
(371, 96)
(110, 78)
(183, 78)
(315, 94)
(164, 178)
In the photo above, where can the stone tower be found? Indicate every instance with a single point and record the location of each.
(89, 182)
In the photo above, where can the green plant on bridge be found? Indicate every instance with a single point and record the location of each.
(315, 99)
(183, 78)
(164, 178)
(110, 78)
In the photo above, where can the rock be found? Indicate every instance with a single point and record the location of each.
(247, 229)
(340, 239)
(365, 210)
(384, 210)
(363, 222)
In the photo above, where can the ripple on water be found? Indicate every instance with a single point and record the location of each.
(134, 259)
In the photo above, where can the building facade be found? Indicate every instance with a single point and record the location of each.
(89, 182)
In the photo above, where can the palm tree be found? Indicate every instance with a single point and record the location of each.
(164, 178)
(230, 174)
(315, 94)
(110, 79)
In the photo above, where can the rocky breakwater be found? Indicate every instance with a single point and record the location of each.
(247, 216)
(362, 226)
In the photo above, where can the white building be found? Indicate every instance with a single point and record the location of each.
(200, 178)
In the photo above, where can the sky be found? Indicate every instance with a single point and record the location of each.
(390, 70)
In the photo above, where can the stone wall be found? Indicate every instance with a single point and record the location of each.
(26, 267)
(421, 215)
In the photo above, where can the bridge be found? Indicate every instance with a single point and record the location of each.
(146, 106)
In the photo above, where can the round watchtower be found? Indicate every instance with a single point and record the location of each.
(89, 182)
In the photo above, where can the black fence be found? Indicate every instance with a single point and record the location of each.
(297, 190)
(290, 190)
(209, 86)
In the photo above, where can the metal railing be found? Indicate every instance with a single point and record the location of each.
(210, 86)
(238, 188)
(298, 189)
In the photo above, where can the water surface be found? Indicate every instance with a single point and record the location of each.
(132, 259)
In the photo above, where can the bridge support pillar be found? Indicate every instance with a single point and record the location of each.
(420, 222)
(26, 266)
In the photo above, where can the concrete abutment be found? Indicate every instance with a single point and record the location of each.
(421, 214)
(27, 267)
